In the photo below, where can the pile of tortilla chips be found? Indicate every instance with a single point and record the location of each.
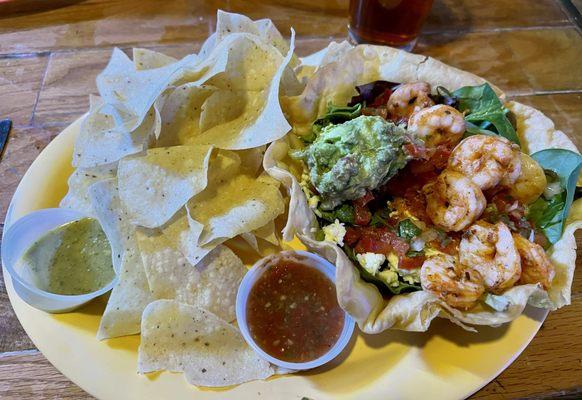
(169, 160)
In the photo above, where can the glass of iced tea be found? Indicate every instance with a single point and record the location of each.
(394, 23)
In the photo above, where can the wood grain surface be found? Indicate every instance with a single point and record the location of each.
(51, 51)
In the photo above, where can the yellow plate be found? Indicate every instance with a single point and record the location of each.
(445, 362)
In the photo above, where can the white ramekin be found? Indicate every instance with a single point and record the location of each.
(19, 237)
(251, 278)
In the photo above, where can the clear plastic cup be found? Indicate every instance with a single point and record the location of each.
(248, 282)
(19, 237)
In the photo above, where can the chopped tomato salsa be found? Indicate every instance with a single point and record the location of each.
(293, 313)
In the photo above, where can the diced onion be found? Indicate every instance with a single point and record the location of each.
(553, 189)
(417, 244)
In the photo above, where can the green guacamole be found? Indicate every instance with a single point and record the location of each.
(347, 159)
(74, 258)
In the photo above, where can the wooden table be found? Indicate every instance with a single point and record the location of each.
(51, 51)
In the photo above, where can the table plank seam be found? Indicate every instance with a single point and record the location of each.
(18, 353)
(566, 25)
(27, 54)
(41, 87)
(544, 92)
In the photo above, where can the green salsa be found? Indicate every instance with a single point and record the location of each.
(72, 259)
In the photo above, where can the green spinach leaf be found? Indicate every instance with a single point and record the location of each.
(380, 218)
(550, 215)
(408, 230)
(344, 213)
(485, 113)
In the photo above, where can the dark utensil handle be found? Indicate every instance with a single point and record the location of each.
(5, 126)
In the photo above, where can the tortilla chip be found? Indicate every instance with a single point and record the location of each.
(270, 34)
(102, 141)
(223, 165)
(129, 297)
(104, 198)
(251, 64)
(260, 122)
(77, 198)
(212, 284)
(536, 131)
(267, 33)
(186, 232)
(133, 92)
(301, 218)
(236, 206)
(182, 338)
(252, 159)
(180, 114)
(149, 59)
(229, 23)
(251, 240)
(226, 105)
(267, 233)
(154, 186)
(563, 256)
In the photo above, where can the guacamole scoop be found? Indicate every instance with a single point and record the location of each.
(346, 160)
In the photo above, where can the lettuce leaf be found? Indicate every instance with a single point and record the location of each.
(549, 215)
(408, 229)
(485, 113)
(380, 218)
(334, 115)
(370, 92)
(344, 213)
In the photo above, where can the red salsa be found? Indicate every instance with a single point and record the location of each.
(293, 313)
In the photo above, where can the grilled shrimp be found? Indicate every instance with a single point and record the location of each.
(409, 98)
(453, 201)
(490, 249)
(438, 124)
(536, 266)
(444, 276)
(487, 160)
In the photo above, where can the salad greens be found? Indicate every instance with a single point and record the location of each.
(344, 213)
(373, 93)
(407, 229)
(549, 215)
(485, 113)
(348, 152)
(334, 115)
(380, 218)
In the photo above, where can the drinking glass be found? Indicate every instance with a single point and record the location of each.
(395, 23)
